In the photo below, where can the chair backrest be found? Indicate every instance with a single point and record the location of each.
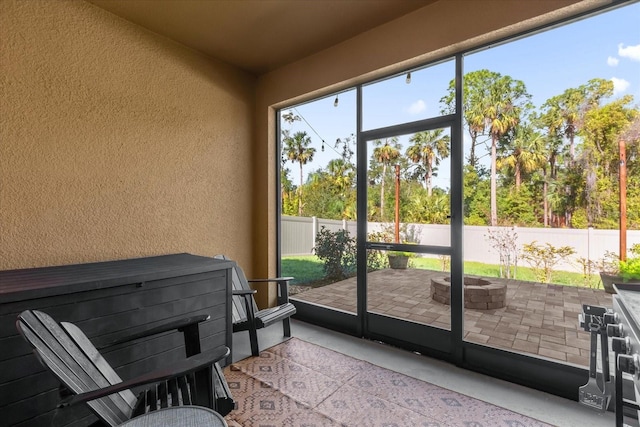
(68, 353)
(239, 283)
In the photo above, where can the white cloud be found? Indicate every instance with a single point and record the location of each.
(612, 62)
(619, 85)
(631, 52)
(417, 107)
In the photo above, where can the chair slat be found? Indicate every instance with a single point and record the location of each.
(184, 390)
(275, 314)
(152, 398)
(163, 394)
(125, 400)
(174, 394)
(141, 404)
(240, 283)
(59, 352)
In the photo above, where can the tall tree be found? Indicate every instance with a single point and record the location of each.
(505, 98)
(524, 147)
(342, 175)
(602, 128)
(563, 113)
(474, 91)
(428, 148)
(552, 149)
(298, 150)
(385, 153)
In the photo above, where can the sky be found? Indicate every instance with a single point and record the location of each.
(605, 46)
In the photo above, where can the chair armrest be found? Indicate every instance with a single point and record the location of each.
(276, 279)
(180, 368)
(242, 292)
(283, 287)
(179, 325)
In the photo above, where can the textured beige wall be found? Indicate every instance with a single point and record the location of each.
(432, 32)
(115, 142)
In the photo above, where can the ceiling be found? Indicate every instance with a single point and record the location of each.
(259, 35)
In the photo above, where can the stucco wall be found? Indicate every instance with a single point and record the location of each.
(116, 142)
(436, 31)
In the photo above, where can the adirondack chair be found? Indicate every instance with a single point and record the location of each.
(87, 377)
(247, 317)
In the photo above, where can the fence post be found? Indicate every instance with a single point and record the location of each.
(314, 230)
(344, 224)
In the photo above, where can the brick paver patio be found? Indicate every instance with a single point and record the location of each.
(538, 319)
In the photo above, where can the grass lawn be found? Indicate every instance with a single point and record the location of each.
(309, 269)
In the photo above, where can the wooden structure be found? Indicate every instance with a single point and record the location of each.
(247, 317)
(107, 300)
(87, 378)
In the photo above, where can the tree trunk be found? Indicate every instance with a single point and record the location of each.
(472, 151)
(384, 174)
(545, 201)
(429, 175)
(494, 202)
(300, 193)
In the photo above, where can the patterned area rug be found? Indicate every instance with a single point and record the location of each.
(298, 384)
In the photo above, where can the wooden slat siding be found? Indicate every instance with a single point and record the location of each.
(84, 311)
(17, 285)
(176, 286)
(59, 306)
(15, 391)
(200, 304)
(10, 391)
(77, 418)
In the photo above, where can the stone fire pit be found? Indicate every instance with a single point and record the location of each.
(479, 293)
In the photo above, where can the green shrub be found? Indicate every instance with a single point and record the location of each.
(337, 250)
(543, 258)
(630, 269)
(579, 218)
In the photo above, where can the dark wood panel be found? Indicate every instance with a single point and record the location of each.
(107, 306)
(19, 389)
(17, 285)
(44, 413)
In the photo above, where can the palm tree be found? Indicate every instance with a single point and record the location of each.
(298, 150)
(501, 109)
(342, 174)
(385, 154)
(428, 148)
(526, 155)
(474, 91)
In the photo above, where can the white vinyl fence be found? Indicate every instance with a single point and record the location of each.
(298, 238)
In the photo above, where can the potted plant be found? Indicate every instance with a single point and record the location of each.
(408, 235)
(616, 271)
(398, 260)
(630, 269)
